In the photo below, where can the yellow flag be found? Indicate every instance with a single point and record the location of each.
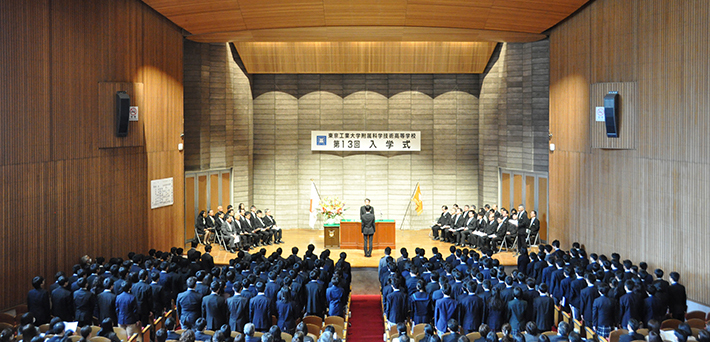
(417, 201)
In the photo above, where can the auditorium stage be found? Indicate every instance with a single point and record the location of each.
(301, 238)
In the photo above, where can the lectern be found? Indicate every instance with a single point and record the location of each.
(331, 235)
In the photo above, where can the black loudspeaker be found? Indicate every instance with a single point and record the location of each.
(611, 114)
(123, 104)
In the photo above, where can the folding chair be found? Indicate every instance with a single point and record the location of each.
(197, 236)
(219, 239)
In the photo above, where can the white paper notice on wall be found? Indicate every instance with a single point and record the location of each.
(161, 193)
(133, 113)
(600, 114)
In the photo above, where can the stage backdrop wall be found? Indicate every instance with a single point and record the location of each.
(648, 202)
(471, 125)
(69, 187)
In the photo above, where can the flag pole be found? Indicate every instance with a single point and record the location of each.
(314, 186)
(408, 205)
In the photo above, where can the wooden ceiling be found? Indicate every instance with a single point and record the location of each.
(395, 24)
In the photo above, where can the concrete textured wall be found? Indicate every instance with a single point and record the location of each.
(471, 126)
(218, 115)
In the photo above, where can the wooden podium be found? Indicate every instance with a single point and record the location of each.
(351, 235)
(331, 235)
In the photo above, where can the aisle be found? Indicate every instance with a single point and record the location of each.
(367, 323)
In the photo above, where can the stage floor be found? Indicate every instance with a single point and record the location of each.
(301, 238)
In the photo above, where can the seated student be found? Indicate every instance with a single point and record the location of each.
(653, 336)
(531, 333)
(58, 332)
(107, 330)
(170, 327)
(199, 330)
(161, 335)
(574, 337)
(401, 333)
(483, 330)
(563, 329)
(632, 326)
(303, 331)
(452, 328)
(249, 331)
(430, 334)
(275, 333)
(703, 335)
(187, 336)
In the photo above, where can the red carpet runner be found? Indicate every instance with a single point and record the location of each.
(366, 321)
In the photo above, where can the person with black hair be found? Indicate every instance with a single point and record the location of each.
(543, 309)
(586, 299)
(106, 302)
(144, 296)
(628, 304)
(603, 312)
(443, 222)
(632, 335)
(214, 308)
(38, 302)
(677, 298)
(314, 296)
(334, 297)
(260, 309)
(495, 310)
(63, 301)
(471, 308)
(396, 303)
(189, 303)
(367, 223)
(531, 333)
(107, 330)
(445, 309)
(421, 306)
(84, 303)
(452, 328)
(517, 309)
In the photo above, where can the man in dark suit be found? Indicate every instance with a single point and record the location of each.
(629, 305)
(314, 296)
(226, 230)
(214, 308)
(84, 303)
(677, 297)
(368, 229)
(188, 304)
(260, 309)
(586, 299)
(458, 222)
(445, 309)
(452, 327)
(238, 306)
(199, 330)
(470, 226)
(517, 309)
(603, 312)
(470, 309)
(38, 301)
(396, 304)
(170, 326)
(158, 295)
(270, 222)
(364, 208)
(500, 232)
(144, 296)
(533, 227)
(523, 224)
(543, 309)
(444, 220)
(63, 301)
(106, 302)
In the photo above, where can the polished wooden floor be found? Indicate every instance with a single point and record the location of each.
(301, 238)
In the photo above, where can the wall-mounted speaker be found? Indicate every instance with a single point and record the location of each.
(123, 104)
(611, 114)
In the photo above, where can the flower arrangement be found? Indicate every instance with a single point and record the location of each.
(332, 208)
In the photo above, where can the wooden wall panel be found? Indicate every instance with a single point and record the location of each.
(641, 203)
(190, 213)
(365, 57)
(627, 115)
(505, 189)
(62, 196)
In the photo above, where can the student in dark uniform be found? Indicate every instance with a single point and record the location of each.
(214, 308)
(38, 301)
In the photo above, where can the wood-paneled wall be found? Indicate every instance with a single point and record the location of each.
(61, 196)
(648, 203)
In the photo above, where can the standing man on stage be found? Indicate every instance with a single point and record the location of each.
(368, 228)
(364, 207)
